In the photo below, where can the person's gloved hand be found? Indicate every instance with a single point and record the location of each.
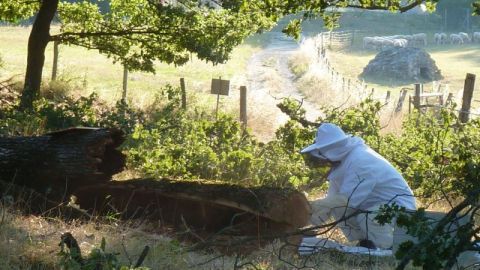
(322, 208)
(320, 214)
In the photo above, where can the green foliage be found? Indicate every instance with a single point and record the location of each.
(52, 113)
(193, 145)
(14, 11)
(98, 259)
(438, 241)
(138, 32)
(361, 120)
(435, 154)
(144, 31)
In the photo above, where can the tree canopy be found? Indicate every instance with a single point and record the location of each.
(139, 32)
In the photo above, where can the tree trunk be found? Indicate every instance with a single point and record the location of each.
(57, 163)
(37, 43)
(45, 170)
(200, 205)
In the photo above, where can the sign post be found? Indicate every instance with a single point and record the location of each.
(243, 105)
(220, 87)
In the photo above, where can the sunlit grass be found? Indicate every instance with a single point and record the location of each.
(453, 61)
(30, 242)
(100, 75)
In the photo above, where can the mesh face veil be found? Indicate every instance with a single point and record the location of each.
(316, 153)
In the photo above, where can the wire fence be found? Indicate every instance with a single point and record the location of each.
(339, 82)
(440, 95)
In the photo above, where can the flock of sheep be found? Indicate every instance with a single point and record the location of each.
(415, 40)
(460, 38)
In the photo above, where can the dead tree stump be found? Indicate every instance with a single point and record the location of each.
(57, 163)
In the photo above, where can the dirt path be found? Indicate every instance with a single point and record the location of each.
(269, 79)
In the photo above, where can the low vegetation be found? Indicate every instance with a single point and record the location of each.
(435, 153)
(438, 155)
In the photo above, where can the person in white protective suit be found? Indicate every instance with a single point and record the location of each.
(359, 179)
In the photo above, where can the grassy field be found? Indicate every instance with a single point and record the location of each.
(453, 61)
(29, 242)
(97, 73)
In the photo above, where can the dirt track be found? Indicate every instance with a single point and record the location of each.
(269, 79)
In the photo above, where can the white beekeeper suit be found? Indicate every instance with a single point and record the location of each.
(359, 179)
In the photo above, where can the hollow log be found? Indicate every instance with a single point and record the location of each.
(201, 205)
(59, 162)
(47, 169)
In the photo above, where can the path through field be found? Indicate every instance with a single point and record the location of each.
(269, 80)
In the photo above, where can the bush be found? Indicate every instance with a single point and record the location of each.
(435, 154)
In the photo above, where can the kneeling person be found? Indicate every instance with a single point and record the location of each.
(359, 179)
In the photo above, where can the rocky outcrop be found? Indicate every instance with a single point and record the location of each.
(401, 66)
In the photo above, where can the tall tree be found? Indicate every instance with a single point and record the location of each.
(139, 32)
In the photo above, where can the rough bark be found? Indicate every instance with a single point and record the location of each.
(37, 42)
(57, 163)
(199, 205)
(43, 171)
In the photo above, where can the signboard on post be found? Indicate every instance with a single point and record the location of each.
(220, 87)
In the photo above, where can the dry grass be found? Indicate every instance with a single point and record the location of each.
(316, 84)
(98, 74)
(299, 63)
(453, 61)
(31, 242)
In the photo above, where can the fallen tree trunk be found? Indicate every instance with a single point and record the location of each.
(81, 161)
(199, 205)
(60, 162)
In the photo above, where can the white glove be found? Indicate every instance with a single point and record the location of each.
(321, 209)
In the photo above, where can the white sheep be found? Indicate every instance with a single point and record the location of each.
(368, 42)
(437, 37)
(456, 39)
(387, 44)
(465, 37)
(476, 37)
(440, 38)
(443, 38)
(420, 39)
(378, 43)
(410, 39)
(400, 42)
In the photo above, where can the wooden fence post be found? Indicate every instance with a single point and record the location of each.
(449, 99)
(243, 105)
(401, 99)
(416, 98)
(184, 93)
(409, 104)
(330, 40)
(467, 97)
(125, 80)
(55, 60)
(321, 36)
